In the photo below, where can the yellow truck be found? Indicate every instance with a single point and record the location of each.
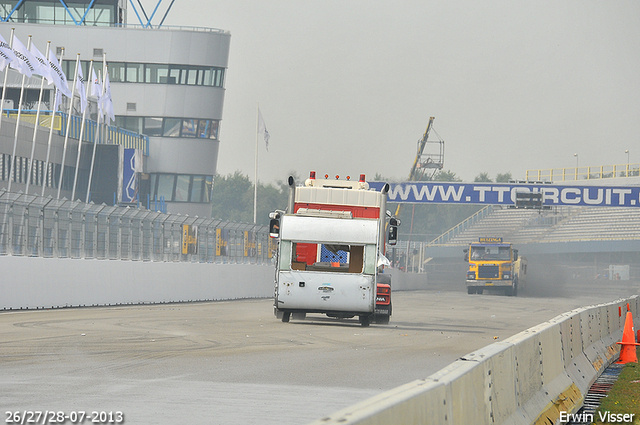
(494, 264)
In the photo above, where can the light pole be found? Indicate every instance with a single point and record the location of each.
(576, 155)
(627, 152)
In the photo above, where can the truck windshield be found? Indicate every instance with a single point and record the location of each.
(502, 253)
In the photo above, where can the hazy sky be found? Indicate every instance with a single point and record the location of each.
(348, 86)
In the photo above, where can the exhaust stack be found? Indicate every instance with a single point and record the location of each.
(292, 195)
(383, 218)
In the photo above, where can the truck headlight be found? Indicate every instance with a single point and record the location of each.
(471, 275)
(506, 275)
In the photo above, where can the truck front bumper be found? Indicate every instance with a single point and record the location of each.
(486, 283)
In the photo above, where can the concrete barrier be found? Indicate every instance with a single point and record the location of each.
(529, 378)
(34, 282)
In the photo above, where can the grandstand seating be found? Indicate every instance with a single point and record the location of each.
(561, 224)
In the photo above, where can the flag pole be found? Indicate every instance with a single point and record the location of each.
(12, 163)
(6, 73)
(66, 136)
(95, 136)
(84, 114)
(255, 185)
(35, 127)
(56, 90)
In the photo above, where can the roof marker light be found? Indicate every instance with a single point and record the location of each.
(326, 176)
(348, 178)
(337, 177)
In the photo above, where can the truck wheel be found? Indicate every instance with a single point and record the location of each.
(515, 288)
(286, 316)
(364, 321)
(471, 290)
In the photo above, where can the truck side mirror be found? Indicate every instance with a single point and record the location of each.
(274, 228)
(466, 255)
(392, 238)
(515, 255)
(393, 235)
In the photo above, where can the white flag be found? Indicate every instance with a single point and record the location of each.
(59, 79)
(43, 67)
(96, 87)
(6, 54)
(82, 91)
(26, 63)
(58, 99)
(262, 128)
(107, 103)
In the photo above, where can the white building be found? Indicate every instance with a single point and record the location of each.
(165, 83)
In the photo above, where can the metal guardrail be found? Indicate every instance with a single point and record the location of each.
(584, 173)
(107, 134)
(459, 228)
(36, 226)
(172, 27)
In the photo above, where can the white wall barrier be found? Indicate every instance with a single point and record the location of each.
(35, 282)
(529, 378)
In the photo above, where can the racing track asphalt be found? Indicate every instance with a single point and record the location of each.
(232, 362)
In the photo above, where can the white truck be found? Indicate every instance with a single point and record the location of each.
(330, 253)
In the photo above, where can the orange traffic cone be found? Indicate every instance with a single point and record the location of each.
(628, 350)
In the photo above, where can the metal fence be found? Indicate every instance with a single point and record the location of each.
(584, 173)
(38, 226)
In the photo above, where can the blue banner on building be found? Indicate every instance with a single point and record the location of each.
(129, 176)
(505, 193)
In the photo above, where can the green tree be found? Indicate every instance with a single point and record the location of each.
(232, 199)
(270, 198)
(483, 177)
(504, 178)
(446, 176)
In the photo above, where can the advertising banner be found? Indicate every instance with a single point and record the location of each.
(189, 239)
(132, 165)
(222, 240)
(505, 193)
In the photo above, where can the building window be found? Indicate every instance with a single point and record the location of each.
(196, 187)
(135, 73)
(53, 13)
(189, 127)
(165, 186)
(206, 193)
(172, 127)
(130, 123)
(204, 129)
(215, 125)
(149, 73)
(156, 74)
(152, 126)
(181, 187)
(116, 72)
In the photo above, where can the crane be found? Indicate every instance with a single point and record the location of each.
(425, 161)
